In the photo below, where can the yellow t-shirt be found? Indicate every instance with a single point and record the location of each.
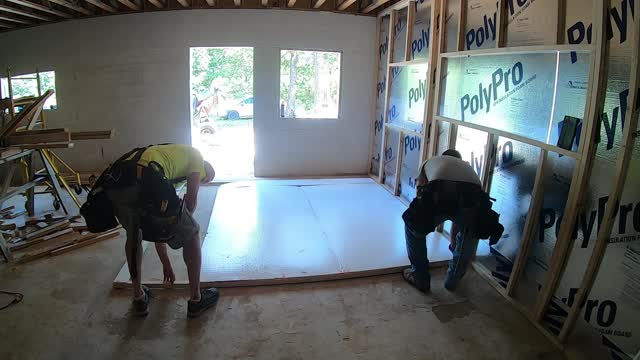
(177, 160)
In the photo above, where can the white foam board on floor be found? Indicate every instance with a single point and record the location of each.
(287, 231)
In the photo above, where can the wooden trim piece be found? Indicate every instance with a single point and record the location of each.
(622, 167)
(562, 21)
(345, 4)
(24, 13)
(538, 49)
(376, 79)
(19, 138)
(106, 7)
(383, 143)
(73, 7)
(503, 24)
(92, 135)
(596, 96)
(406, 131)
(42, 8)
(129, 4)
(512, 136)
(462, 24)
(376, 4)
(411, 13)
(528, 232)
(408, 62)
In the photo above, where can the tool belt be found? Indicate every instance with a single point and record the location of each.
(458, 201)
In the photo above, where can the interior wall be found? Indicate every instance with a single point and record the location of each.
(131, 73)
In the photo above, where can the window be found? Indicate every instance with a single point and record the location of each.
(309, 84)
(27, 85)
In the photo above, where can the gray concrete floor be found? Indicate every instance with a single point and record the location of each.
(70, 311)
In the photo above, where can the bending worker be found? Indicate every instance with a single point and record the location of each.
(447, 189)
(140, 193)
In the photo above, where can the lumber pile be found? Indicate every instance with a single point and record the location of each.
(49, 236)
(52, 138)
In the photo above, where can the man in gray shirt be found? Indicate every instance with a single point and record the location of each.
(448, 189)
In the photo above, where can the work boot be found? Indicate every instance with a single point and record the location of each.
(410, 276)
(208, 298)
(141, 306)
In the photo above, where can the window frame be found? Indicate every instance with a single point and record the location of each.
(340, 72)
(5, 79)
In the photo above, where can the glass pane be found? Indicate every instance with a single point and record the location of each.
(408, 95)
(421, 30)
(309, 84)
(512, 187)
(380, 95)
(409, 171)
(532, 22)
(400, 37)
(471, 144)
(481, 30)
(390, 157)
(555, 184)
(27, 86)
(513, 93)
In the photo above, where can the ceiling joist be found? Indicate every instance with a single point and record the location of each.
(376, 4)
(42, 8)
(103, 6)
(184, 3)
(290, 3)
(345, 4)
(318, 4)
(15, 20)
(23, 13)
(6, 26)
(238, 3)
(129, 4)
(73, 7)
(265, 3)
(211, 2)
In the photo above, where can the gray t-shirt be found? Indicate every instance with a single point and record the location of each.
(449, 168)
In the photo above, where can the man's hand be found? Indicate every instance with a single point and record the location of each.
(169, 275)
(167, 269)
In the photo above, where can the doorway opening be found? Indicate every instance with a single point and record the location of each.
(221, 85)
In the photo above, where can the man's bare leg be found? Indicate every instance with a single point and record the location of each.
(134, 238)
(192, 255)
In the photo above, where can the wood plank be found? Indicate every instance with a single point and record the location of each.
(503, 20)
(61, 145)
(18, 190)
(237, 3)
(376, 4)
(290, 3)
(7, 210)
(595, 104)
(8, 226)
(103, 6)
(29, 14)
(41, 131)
(88, 240)
(383, 143)
(42, 8)
(25, 115)
(43, 249)
(24, 137)
(516, 50)
(184, 3)
(462, 24)
(160, 5)
(622, 167)
(345, 4)
(48, 230)
(411, 13)
(317, 5)
(14, 215)
(92, 135)
(428, 124)
(374, 104)
(5, 26)
(512, 136)
(13, 154)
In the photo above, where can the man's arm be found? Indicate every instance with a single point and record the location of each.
(169, 275)
(193, 185)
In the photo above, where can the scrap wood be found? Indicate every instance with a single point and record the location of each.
(53, 145)
(45, 231)
(7, 210)
(79, 226)
(25, 244)
(89, 241)
(48, 218)
(43, 249)
(8, 226)
(27, 137)
(30, 112)
(92, 135)
(14, 215)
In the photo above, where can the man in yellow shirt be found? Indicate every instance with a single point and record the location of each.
(177, 162)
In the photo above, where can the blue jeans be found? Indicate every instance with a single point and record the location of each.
(466, 246)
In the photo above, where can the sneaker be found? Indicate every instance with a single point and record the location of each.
(410, 277)
(141, 307)
(208, 298)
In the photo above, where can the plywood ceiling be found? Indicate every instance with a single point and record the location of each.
(18, 14)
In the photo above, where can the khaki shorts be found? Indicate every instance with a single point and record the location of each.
(125, 205)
